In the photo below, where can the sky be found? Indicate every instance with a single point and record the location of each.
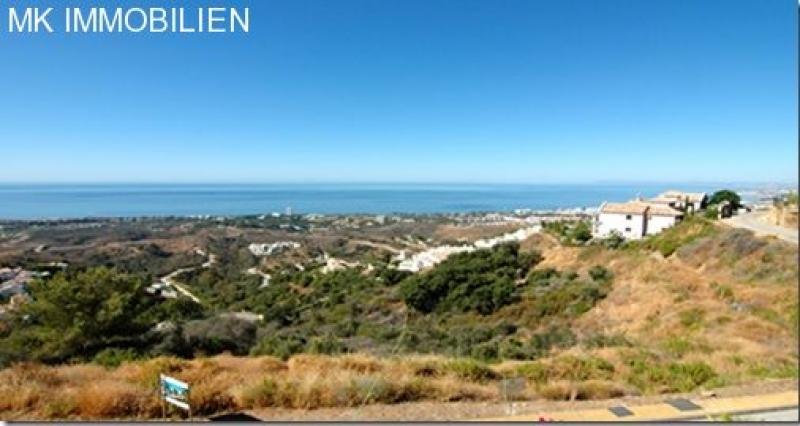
(528, 91)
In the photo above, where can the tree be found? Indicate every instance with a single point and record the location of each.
(481, 281)
(582, 232)
(726, 195)
(76, 316)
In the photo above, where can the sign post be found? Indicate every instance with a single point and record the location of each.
(175, 392)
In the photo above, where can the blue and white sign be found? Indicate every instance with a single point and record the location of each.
(174, 391)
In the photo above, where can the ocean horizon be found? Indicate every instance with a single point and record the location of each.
(70, 201)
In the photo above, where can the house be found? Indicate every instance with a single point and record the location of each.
(635, 219)
(10, 289)
(689, 202)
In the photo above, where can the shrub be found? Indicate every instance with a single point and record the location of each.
(324, 345)
(723, 292)
(581, 232)
(726, 195)
(691, 318)
(487, 351)
(553, 337)
(113, 357)
(670, 240)
(567, 367)
(601, 340)
(613, 241)
(481, 281)
(60, 407)
(569, 232)
(649, 374)
(589, 390)
(263, 394)
(774, 370)
(470, 369)
(570, 299)
(111, 399)
(75, 315)
(542, 277)
(216, 335)
(677, 346)
(281, 346)
(600, 274)
(668, 246)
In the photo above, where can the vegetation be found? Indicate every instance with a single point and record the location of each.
(726, 195)
(73, 317)
(691, 229)
(91, 342)
(481, 281)
(791, 198)
(570, 232)
(648, 373)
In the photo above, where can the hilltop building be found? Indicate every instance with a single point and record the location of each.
(688, 202)
(635, 219)
(639, 218)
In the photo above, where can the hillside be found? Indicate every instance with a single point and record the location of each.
(699, 306)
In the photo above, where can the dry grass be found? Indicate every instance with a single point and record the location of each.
(727, 294)
(474, 232)
(671, 310)
(571, 391)
(226, 383)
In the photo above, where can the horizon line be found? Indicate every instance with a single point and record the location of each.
(392, 182)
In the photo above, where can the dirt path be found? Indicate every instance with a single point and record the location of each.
(378, 245)
(757, 223)
(170, 280)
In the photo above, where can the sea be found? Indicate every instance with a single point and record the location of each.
(70, 201)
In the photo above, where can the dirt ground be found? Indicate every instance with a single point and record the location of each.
(432, 411)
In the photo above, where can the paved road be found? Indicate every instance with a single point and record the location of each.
(754, 222)
(787, 415)
(770, 406)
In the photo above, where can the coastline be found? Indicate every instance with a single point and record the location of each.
(65, 202)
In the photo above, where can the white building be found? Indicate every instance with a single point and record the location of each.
(433, 256)
(273, 248)
(635, 219)
(689, 202)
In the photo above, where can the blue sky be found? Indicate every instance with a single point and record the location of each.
(527, 91)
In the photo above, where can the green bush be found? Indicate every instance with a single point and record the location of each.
(613, 241)
(670, 240)
(76, 315)
(567, 367)
(691, 318)
(601, 340)
(726, 195)
(470, 369)
(600, 274)
(279, 346)
(581, 232)
(327, 345)
(569, 232)
(723, 292)
(554, 337)
(570, 299)
(481, 281)
(649, 374)
(543, 277)
(114, 357)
